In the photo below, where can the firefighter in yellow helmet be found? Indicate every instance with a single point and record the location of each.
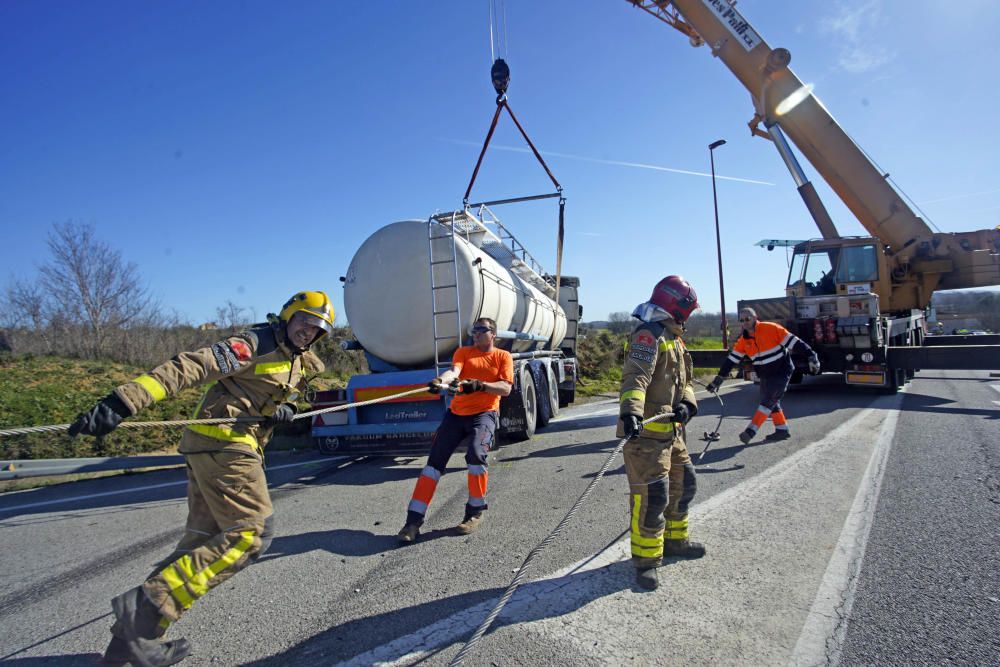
(656, 379)
(256, 373)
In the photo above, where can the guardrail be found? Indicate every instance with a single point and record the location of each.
(18, 469)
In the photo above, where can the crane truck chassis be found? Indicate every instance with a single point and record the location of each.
(453, 269)
(860, 302)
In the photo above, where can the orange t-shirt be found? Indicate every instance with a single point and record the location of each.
(486, 366)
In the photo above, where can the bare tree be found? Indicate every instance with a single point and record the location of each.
(86, 297)
(232, 317)
(619, 322)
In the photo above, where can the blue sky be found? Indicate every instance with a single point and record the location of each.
(242, 151)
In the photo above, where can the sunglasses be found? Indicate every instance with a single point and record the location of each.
(479, 330)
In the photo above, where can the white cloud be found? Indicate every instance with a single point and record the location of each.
(856, 28)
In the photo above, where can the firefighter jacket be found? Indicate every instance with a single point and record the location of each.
(769, 349)
(656, 377)
(251, 373)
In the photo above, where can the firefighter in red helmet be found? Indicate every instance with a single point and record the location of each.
(656, 379)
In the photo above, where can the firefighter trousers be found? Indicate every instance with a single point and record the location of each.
(229, 525)
(662, 484)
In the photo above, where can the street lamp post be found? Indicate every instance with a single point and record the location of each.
(718, 245)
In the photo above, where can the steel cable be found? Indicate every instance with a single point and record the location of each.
(219, 420)
(522, 571)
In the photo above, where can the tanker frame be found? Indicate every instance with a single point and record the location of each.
(860, 302)
(411, 292)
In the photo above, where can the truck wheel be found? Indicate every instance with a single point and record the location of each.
(529, 398)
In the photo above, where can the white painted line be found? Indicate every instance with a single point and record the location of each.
(15, 508)
(530, 604)
(823, 633)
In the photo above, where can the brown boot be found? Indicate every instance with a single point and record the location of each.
(683, 549)
(470, 523)
(408, 534)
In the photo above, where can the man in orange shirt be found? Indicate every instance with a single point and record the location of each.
(769, 347)
(479, 375)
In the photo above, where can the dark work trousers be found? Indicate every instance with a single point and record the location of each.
(476, 432)
(773, 386)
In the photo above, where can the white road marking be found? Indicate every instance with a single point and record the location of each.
(768, 538)
(823, 634)
(138, 489)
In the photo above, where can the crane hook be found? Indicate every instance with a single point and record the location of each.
(500, 73)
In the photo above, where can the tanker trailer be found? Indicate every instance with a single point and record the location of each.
(412, 291)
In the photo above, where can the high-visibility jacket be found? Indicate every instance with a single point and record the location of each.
(656, 377)
(769, 349)
(252, 372)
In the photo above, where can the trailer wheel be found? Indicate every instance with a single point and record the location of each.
(530, 402)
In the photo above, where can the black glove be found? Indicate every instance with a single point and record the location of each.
(814, 365)
(434, 386)
(101, 419)
(282, 414)
(632, 425)
(684, 411)
(454, 387)
(713, 386)
(470, 386)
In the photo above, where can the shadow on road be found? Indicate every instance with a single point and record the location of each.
(549, 598)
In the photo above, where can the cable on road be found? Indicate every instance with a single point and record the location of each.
(712, 436)
(522, 571)
(220, 420)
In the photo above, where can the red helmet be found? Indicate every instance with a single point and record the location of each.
(676, 296)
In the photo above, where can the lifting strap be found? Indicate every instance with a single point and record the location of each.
(500, 75)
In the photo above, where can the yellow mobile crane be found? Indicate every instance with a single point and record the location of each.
(859, 301)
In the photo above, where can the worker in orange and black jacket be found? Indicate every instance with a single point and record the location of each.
(769, 347)
(255, 374)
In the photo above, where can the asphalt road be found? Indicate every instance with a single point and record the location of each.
(871, 537)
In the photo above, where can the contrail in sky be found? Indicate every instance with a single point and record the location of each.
(619, 163)
(970, 194)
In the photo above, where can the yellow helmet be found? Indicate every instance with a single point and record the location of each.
(316, 305)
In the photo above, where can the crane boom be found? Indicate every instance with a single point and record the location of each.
(921, 260)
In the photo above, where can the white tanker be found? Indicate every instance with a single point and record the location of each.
(389, 304)
(411, 293)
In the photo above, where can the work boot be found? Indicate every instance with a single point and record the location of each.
(138, 619)
(470, 523)
(746, 436)
(408, 534)
(646, 578)
(683, 549)
(783, 434)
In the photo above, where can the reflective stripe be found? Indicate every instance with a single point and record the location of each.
(177, 589)
(153, 386)
(666, 345)
(660, 427)
(223, 433)
(644, 547)
(677, 530)
(199, 581)
(477, 469)
(273, 367)
(431, 472)
(633, 393)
